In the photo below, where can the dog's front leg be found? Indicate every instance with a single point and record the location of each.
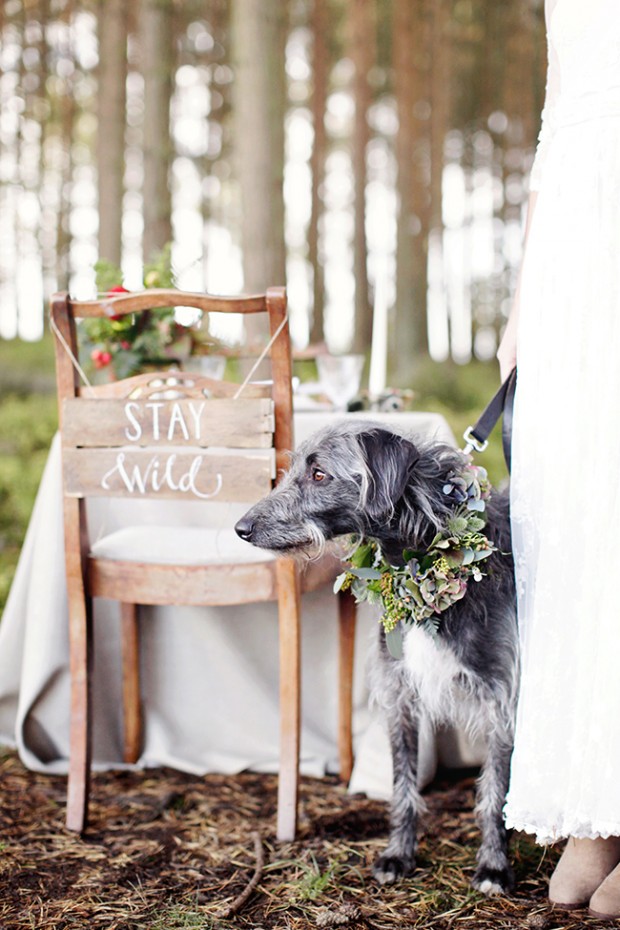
(398, 860)
(494, 874)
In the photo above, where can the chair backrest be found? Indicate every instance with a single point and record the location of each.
(172, 434)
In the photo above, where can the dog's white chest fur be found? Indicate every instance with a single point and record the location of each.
(437, 676)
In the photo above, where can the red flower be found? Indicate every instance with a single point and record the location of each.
(100, 358)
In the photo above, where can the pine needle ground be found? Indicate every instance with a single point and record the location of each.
(169, 851)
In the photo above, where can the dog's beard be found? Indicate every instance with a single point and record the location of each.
(318, 541)
(309, 547)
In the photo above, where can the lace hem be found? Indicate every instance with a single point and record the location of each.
(546, 833)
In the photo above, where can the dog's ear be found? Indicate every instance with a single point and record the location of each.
(390, 459)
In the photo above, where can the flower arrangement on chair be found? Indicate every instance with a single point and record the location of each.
(127, 344)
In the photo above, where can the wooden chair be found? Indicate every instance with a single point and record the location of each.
(232, 450)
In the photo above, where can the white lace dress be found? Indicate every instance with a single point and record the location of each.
(566, 455)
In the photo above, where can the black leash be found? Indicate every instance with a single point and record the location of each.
(477, 436)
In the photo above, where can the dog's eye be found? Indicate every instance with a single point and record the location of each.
(318, 474)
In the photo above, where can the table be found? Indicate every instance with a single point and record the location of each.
(210, 675)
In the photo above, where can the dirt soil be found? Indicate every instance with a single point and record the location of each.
(166, 850)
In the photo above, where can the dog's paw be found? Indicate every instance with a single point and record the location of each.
(389, 869)
(492, 881)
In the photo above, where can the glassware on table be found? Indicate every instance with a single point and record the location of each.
(340, 377)
(211, 366)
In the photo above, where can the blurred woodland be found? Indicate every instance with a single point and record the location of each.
(325, 143)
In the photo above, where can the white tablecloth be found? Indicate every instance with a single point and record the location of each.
(210, 675)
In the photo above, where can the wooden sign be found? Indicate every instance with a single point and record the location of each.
(242, 477)
(204, 422)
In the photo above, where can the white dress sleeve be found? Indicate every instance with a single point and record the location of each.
(551, 95)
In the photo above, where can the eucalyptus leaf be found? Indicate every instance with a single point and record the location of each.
(394, 642)
(360, 590)
(366, 574)
(338, 583)
(414, 591)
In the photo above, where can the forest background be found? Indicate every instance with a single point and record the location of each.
(337, 146)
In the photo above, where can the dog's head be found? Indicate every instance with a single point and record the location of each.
(347, 479)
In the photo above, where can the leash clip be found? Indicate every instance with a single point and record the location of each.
(476, 436)
(472, 442)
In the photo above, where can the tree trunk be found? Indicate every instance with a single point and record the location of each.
(110, 151)
(410, 333)
(259, 96)
(440, 106)
(363, 55)
(320, 64)
(48, 252)
(157, 51)
(19, 21)
(63, 233)
(440, 115)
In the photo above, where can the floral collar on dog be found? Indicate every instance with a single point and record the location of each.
(429, 581)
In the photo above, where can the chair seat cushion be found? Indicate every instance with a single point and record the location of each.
(177, 545)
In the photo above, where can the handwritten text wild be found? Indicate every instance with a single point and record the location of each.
(184, 424)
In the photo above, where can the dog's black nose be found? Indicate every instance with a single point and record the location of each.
(244, 528)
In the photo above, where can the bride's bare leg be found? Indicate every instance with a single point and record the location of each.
(583, 866)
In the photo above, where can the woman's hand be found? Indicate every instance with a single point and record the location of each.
(507, 351)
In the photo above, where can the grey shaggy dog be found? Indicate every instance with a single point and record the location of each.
(359, 478)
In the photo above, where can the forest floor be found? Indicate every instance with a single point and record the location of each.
(169, 851)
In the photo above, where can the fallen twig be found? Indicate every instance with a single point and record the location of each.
(240, 900)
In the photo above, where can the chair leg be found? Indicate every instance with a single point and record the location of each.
(132, 711)
(289, 613)
(80, 659)
(347, 613)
